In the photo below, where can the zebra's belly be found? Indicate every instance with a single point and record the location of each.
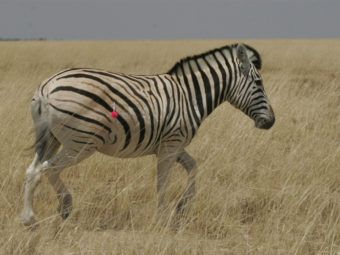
(115, 151)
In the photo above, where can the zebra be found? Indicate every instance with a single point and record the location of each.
(80, 111)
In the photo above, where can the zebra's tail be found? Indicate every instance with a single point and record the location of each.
(45, 141)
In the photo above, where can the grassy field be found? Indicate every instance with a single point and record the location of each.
(259, 192)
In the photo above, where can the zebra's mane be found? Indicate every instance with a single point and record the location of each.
(253, 55)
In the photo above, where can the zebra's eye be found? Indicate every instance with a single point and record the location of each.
(258, 82)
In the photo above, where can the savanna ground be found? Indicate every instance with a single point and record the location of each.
(259, 192)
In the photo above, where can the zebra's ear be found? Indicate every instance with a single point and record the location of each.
(254, 57)
(244, 61)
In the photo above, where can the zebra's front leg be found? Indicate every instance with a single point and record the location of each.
(165, 162)
(189, 165)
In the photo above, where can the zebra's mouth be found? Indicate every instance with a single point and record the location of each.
(264, 123)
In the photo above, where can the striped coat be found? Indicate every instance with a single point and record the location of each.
(150, 111)
(86, 110)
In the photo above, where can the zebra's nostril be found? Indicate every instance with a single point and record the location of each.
(268, 124)
(265, 123)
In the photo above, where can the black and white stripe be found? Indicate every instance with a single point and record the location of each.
(152, 109)
(158, 114)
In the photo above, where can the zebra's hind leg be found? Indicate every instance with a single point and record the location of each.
(32, 179)
(64, 196)
(52, 167)
(33, 176)
(189, 165)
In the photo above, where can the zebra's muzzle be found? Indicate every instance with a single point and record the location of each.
(265, 123)
(265, 120)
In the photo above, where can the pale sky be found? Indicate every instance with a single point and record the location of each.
(169, 19)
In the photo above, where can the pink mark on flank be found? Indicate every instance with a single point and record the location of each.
(114, 114)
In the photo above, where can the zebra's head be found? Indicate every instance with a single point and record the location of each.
(249, 95)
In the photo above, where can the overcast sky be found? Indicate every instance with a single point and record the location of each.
(169, 19)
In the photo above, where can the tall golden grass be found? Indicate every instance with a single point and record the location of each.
(259, 192)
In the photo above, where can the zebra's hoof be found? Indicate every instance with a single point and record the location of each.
(65, 207)
(64, 215)
(27, 218)
(65, 211)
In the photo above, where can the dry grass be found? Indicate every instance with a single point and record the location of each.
(259, 192)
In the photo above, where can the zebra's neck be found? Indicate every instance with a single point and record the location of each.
(206, 79)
